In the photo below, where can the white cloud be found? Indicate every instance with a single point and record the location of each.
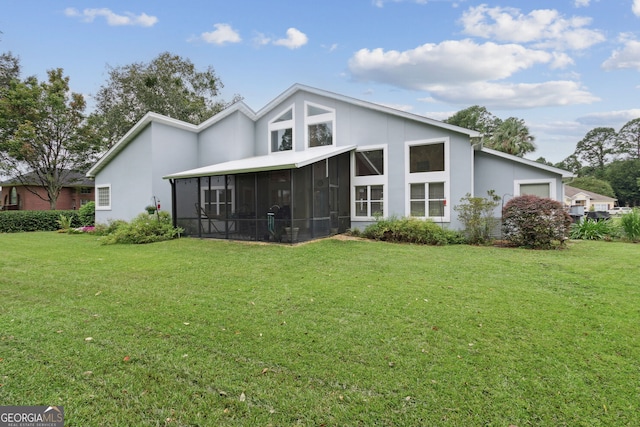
(627, 57)
(515, 95)
(261, 40)
(449, 62)
(582, 3)
(546, 28)
(616, 118)
(222, 35)
(295, 39)
(636, 7)
(89, 15)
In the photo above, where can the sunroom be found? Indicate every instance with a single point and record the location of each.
(286, 197)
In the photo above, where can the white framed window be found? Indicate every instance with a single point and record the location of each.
(538, 187)
(281, 132)
(215, 199)
(428, 179)
(103, 197)
(369, 182)
(319, 125)
(427, 199)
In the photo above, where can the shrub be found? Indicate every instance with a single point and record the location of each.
(590, 229)
(630, 224)
(87, 214)
(64, 222)
(19, 221)
(411, 230)
(476, 214)
(144, 229)
(535, 222)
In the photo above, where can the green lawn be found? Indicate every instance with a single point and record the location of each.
(337, 333)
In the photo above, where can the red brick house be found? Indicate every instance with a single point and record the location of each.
(16, 195)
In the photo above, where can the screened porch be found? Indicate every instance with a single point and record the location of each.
(282, 205)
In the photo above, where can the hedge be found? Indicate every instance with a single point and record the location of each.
(18, 221)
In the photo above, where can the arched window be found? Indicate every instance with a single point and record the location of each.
(13, 196)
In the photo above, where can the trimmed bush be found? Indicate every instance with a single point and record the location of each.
(20, 221)
(631, 225)
(535, 222)
(144, 228)
(590, 229)
(87, 214)
(411, 230)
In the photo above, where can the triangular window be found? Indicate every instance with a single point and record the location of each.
(286, 116)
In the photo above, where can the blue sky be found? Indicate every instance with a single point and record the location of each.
(564, 66)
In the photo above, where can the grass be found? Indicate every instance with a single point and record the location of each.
(351, 333)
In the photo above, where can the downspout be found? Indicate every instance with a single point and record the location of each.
(174, 209)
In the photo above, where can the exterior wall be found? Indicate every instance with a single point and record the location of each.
(70, 198)
(499, 174)
(232, 138)
(135, 176)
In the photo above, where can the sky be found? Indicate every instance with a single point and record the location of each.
(564, 66)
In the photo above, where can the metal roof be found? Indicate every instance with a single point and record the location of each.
(274, 161)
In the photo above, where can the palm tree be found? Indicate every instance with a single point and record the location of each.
(512, 137)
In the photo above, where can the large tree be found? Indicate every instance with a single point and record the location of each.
(9, 70)
(43, 136)
(168, 85)
(475, 118)
(628, 141)
(593, 184)
(512, 136)
(597, 147)
(571, 163)
(623, 176)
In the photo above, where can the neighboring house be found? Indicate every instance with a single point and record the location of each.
(309, 164)
(29, 195)
(578, 199)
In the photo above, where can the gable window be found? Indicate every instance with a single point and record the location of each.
(428, 178)
(103, 197)
(427, 158)
(369, 182)
(320, 125)
(281, 132)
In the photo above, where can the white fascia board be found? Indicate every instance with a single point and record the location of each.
(532, 163)
(132, 133)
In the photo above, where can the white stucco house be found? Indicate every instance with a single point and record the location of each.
(308, 164)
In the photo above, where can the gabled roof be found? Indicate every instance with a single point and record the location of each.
(571, 192)
(159, 118)
(276, 161)
(365, 104)
(242, 107)
(532, 163)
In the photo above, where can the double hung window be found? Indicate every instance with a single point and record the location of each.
(428, 178)
(369, 182)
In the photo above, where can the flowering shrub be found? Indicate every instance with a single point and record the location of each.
(534, 222)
